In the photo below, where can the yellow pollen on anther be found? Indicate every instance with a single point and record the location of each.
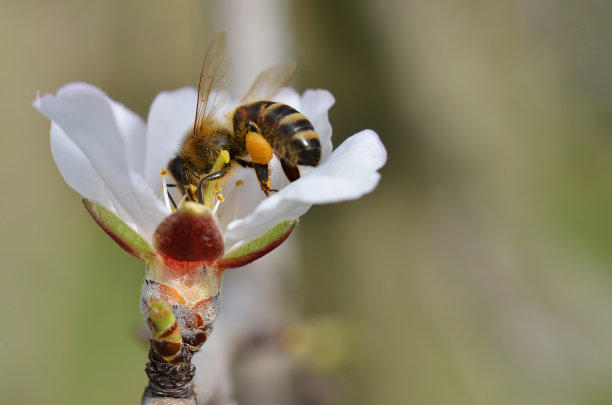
(164, 189)
(220, 197)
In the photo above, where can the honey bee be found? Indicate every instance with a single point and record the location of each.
(249, 136)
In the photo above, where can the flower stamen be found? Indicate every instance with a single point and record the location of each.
(165, 193)
(219, 199)
(182, 200)
(214, 187)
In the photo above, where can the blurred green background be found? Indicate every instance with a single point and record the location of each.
(479, 271)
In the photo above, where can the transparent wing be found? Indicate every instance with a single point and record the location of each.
(270, 81)
(212, 80)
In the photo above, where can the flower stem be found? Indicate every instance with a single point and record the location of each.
(150, 399)
(168, 379)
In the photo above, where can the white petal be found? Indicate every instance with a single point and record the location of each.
(170, 117)
(76, 169)
(289, 96)
(349, 173)
(315, 106)
(89, 118)
(263, 219)
(132, 130)
(239, 201)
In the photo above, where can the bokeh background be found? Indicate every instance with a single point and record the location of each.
(479, 271)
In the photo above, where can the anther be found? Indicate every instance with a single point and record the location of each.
(220, 199)
(165, 193)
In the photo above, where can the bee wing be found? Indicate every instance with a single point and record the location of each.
(212, 80)
(270, 81)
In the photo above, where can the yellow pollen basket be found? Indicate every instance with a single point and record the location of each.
(213, 186)
(259, 149)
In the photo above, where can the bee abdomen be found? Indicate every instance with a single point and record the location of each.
(309, 148)
(291, 135)
(288, 129)
(273, 114)
(295, 123)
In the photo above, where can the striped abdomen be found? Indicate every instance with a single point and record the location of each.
(289, 132)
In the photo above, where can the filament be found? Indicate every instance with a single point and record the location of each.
(182, 200)
(163, 175)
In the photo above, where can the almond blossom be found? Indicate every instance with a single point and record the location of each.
(118, 163)
(110, 156)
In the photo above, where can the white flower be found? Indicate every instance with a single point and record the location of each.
(109, 155)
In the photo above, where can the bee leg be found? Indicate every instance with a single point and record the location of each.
(263, 176)
(245, 163)
(185, 181)
(170, 195)
(210, 177)
(252, 127)
(292, 172)
(171, 199)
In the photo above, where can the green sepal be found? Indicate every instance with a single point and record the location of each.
(118, 230)
(262, 241)
(257, 247)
